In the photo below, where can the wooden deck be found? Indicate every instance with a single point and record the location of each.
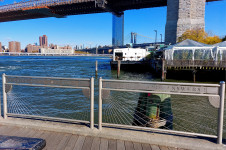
(64, 141)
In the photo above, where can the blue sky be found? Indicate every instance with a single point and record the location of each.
(95, 29)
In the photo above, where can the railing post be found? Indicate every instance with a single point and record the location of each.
(221, 113)
(92, 103)
(100, 105)
(4, 97)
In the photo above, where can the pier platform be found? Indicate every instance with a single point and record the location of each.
(65, 136)
(69, 141)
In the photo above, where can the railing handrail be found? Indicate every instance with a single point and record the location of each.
(41, 77)
(167, 83)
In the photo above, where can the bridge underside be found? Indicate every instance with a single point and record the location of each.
(59, 10)
(77, 8)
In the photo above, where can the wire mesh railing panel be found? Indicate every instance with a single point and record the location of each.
(194, 114)
(161, 111)
(49, 102)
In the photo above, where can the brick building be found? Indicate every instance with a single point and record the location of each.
(33, 48)
(14, 46)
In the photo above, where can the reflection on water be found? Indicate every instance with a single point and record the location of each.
(193, 114)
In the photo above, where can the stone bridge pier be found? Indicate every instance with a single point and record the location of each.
(183, 15)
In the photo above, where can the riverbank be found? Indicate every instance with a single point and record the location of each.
(53, 54)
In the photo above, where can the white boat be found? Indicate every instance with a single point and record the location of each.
(133, 59)
(130, 54)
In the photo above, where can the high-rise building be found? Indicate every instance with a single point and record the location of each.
(118, 30)
(0, 47)
(14, 46)
(40, 40)
(43, 41)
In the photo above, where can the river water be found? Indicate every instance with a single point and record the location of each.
(191, 114)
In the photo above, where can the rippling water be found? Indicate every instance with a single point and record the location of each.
(193, 114)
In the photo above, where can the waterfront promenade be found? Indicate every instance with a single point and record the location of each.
(67, 141)
(65, 136)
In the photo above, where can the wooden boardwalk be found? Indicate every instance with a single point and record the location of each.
(65, 141)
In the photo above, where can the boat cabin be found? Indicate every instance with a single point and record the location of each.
(130, 54)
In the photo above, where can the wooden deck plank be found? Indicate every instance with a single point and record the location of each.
(112, 145)
(20, 132)
(4, 129)
(23, 133)
(137, 146)
(163, 148)
(49, 140)
(120, 145)
(87, 143)
(8, 130)
(71, 143)
(129, 145)
(64, 141)
(96, 144)
(155, 147)
(79, 143)
(37, 134)
(146, 147)
(31, 133)
(172, 148)
(103, 144)
(47, 136)
(54, 144)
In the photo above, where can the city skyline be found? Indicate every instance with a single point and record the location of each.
(96, 29)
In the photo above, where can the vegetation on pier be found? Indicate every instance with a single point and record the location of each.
(201, 36)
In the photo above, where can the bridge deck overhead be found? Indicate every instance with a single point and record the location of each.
(60, 8)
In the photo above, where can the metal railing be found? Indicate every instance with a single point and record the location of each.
(215, 92)
(9, 82)
(116, 108)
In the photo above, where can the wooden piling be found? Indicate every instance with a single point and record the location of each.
(96, 70)
(163, 70)
(194, 75)
(118, 68)
(165, 74)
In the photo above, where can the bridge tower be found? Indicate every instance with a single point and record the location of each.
(183, 15)
(118, 30)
